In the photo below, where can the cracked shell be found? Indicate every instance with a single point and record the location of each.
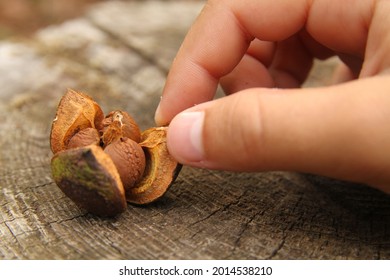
(89, 178)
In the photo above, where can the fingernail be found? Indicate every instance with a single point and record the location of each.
(157, 116)
(185, 137)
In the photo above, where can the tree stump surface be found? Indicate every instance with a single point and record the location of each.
(120, 53)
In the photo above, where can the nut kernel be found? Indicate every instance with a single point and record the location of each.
(119, 124)
(85, 137)
(129, 160)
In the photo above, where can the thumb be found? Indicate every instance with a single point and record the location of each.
(340, 131)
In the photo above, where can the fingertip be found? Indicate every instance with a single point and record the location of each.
(216, 134)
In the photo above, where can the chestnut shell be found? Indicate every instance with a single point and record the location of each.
(88, 176)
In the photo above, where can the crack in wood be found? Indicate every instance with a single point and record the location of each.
(277, 249)
(133, 49)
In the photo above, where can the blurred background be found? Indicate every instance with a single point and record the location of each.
(19, 18)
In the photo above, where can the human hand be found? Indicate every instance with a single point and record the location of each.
(341, 131)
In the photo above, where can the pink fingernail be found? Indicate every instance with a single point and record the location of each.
(185, 137)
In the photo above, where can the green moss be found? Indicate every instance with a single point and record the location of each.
(81, 167)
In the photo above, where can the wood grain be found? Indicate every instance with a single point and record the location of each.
(119, 53)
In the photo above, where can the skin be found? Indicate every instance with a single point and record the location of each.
(261, 51)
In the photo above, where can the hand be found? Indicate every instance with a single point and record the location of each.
(341, 131)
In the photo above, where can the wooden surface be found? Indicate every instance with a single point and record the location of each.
(119, 53)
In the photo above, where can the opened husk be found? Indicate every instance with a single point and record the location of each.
(76, 111)
(161, 168)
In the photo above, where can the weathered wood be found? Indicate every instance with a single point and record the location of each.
(120, 53)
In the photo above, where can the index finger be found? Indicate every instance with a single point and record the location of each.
(224, 29)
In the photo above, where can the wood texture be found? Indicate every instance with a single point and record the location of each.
(119, 53)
